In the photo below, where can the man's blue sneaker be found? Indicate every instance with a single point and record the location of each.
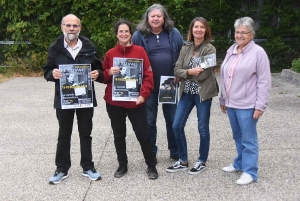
(92, 174)
(57, 177)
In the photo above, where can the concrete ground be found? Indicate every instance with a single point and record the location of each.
(28, 144)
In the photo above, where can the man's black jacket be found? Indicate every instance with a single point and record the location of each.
(58, 54)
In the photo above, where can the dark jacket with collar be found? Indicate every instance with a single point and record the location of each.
(58, 54)
(208, 86)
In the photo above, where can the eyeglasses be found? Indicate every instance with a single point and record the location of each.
(71, 25)
(242, 33)
(157, 39)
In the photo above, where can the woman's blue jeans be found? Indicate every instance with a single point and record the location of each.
(245, 136)
(184, 108)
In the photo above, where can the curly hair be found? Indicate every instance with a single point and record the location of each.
(123, 21)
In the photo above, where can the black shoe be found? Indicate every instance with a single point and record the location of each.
(178, 166)
(175, 157)
(121, 171)
(152, 173)
(198, 168)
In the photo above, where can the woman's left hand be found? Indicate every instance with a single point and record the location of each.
(223, 109)
(140, 100)
(257, 114)
(195, 71)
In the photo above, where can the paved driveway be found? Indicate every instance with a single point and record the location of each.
(29, 135)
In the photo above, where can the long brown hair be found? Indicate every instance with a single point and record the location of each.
(207, 36)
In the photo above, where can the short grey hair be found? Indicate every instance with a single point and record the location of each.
(144, 26)
(63, 19)
(245, 21)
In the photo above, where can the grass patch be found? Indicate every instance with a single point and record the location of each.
(22, 67)
(8, 76)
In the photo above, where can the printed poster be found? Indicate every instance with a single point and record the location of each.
(168, 90)
(206, 61)
(127, 84)
(76, 86)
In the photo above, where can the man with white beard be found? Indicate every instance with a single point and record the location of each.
(72, 48)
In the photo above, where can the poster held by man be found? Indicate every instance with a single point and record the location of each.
(76, 86)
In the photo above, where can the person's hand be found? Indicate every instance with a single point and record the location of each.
(195, 71)
(140, 100)
(94, 74)
(114, 70)
(223, 109)
(56, 73)
(257, 113)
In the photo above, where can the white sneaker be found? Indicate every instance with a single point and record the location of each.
(244, 179)
(229, 168)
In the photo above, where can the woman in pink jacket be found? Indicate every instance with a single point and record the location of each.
(245, 91)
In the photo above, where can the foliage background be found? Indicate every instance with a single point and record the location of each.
(38, 21)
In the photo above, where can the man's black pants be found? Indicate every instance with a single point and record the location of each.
(85, 124)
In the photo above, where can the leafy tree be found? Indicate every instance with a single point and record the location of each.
(39, 22)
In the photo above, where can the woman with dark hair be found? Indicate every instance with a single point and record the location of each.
(245, 91)
(197, 87)
(119, 110)
(162, 42)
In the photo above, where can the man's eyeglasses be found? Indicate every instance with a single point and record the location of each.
(71, 25)
(242, 33)
(157, 39)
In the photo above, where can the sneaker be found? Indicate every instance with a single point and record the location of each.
(244, 179)
(177, 167)
(230, 168)
(57, 177)
(175, 157)
(121, 171)
(198, 168)
(92, 174)
(152, 172)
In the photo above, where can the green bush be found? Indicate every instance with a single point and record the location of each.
(296, 65)
(278, 52)
(26, 66)
(221, 44)
(39, 23)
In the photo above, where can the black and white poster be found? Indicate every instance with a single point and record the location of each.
(127, 84)
(206, 61)
(76, 86)
(167, 90)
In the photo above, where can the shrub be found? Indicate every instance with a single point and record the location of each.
(28, 66)
(296, 65)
